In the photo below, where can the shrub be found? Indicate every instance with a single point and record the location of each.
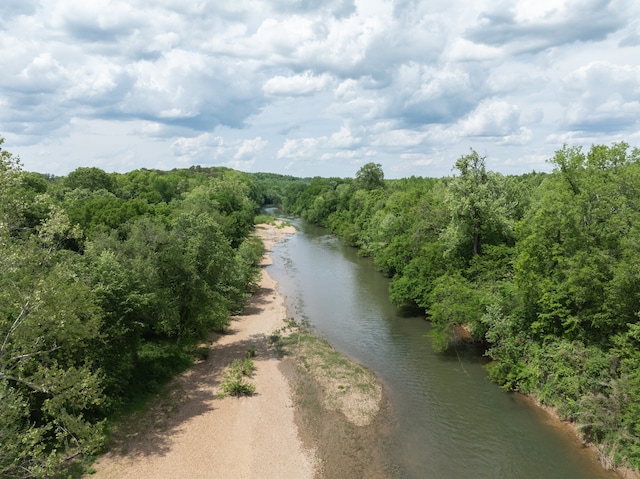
(235, 383)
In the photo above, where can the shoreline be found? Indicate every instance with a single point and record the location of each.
(343, 448)
(192, 431)
(342, 410)
(298, 423)
(549, 415)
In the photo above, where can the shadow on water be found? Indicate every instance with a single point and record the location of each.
(452, 422)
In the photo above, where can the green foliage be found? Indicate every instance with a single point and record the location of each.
(108, 283)
(454, 302)
(370, 177)
(157, 363)
(48, 319)
(248, 257)
(91, 210)
(477, 203)
(12, 200)
(235, 382)
(573, 242)
(264, 218)
(90, 178)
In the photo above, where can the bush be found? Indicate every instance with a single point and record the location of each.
(268, 219)
(235, 383)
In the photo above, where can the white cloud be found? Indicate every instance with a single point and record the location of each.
(603, 97)
(491, 118)
(43, 74)
(250, 148)
(399, 138)
(463, 50)
(300, 148)
(530, 27)
(344, 139)
(251, 84)
(297, 85)
(10, 9)
(200, 149)
(284, 36)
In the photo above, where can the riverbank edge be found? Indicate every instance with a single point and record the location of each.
(573, 428)
(342, 448)
(346, 444)
(463, 334)
(192, 429)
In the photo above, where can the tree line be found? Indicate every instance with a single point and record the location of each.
(107, 283)
(541, 269)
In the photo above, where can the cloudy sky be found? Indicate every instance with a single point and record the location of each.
(310, 87)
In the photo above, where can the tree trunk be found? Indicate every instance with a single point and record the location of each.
(476, 243)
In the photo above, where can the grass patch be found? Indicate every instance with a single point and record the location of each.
(235, 382)
(264, 218)
(287, 336)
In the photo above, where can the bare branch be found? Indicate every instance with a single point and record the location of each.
(29, 384)
(23, 357)
(14, 326)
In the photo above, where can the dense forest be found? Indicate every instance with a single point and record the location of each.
(108, 281)
(541, 269)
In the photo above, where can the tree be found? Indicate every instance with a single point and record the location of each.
(12, 204)
(48, 386)
(370, 177)
(476, 204)
(577, 261)
(91, 178)
(47, 322)
(454, 302)
(119, 290)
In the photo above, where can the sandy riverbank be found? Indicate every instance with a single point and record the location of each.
(196, 434)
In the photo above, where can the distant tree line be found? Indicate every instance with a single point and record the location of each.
(541, 269)
(107, 283)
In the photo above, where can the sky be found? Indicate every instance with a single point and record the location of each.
(315, 88)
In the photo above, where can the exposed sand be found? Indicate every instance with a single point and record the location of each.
(194, 434)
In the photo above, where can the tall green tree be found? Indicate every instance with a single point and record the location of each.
(477, 205)
(90, 178)
(370, 177)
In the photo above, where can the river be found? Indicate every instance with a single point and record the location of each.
(451, 421)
